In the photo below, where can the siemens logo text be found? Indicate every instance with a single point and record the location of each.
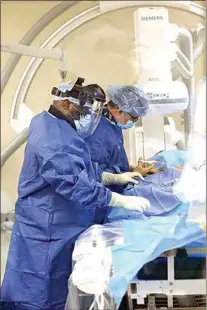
(152, 18)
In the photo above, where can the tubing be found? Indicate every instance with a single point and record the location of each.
(185, 72)
(198, 49)
(31, 35)
(201, 38)
(184, 60)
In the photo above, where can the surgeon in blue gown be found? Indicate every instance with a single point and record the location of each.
(58, 198)
(126, 104)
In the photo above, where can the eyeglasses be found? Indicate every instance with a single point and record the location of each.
(133, 118)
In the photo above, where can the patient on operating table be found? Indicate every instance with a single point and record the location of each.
(156, 186)
(153, 165)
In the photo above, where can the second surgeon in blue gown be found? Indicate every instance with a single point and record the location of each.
(126, 104)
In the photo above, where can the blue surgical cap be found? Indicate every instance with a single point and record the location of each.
(64, 87)
(129, 99)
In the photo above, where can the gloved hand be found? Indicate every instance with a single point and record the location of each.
(122, 178)
(129, 202)
(145, 168)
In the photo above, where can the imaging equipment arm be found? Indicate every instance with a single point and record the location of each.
(35, 51)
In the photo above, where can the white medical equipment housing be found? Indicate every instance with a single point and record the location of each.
(192, 184)
(148, 31)
(93, 267)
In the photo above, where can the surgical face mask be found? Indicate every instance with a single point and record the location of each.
(128, 125)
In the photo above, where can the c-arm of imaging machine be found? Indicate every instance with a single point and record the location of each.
(35, 51)
(58, 54)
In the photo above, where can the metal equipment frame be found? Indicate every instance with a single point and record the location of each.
(169, 287)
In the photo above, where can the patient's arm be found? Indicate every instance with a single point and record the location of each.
(145, 168)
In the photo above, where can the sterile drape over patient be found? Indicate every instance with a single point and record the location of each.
(157, 188)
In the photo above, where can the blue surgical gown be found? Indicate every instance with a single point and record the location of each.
(107, 149)
(58, 198)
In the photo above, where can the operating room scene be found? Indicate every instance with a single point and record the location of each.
(103, 155)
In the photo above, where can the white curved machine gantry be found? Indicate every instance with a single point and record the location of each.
(48, 50)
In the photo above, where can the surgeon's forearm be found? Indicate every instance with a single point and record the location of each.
(108, 178)
(100, 169)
